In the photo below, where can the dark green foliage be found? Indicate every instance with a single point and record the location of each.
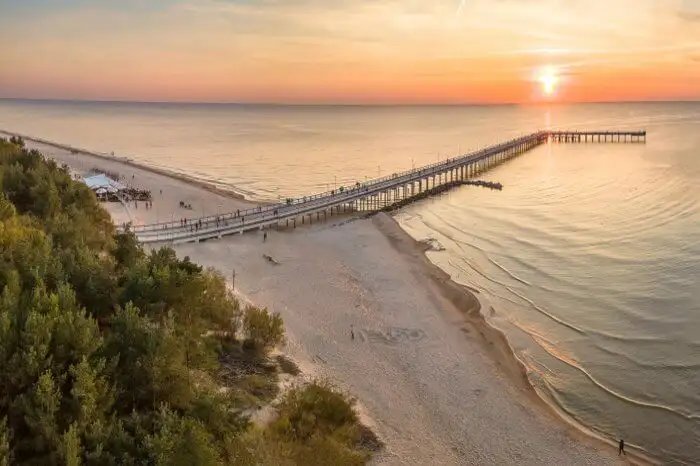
(103, 358)
(15, 140)
(109, 355)
(317, 408)
(317, 425)
(182, 441)
(263, 330)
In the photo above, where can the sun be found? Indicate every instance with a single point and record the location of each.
(549, 78)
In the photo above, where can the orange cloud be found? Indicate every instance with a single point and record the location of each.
(353, 51)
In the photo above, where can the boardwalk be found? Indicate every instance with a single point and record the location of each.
(369, 196)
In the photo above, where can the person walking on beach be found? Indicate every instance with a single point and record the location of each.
(264, 237)
(622, 448)
(352, 332)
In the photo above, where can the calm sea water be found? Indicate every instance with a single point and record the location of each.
(589, 259)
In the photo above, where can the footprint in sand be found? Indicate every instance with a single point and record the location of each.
(394, 335)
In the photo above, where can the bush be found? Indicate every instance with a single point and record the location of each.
(317, 408)
(319, 426)
(263, 330)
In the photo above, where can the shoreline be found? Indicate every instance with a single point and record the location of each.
(494, 341)
(474, 325)
(140, 165)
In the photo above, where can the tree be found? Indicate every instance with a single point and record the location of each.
(7, 209)
(38, 410)
(5, 453)
(263, 329)
(150, 368)
(182, 442)
(126, 250)
(70, 450)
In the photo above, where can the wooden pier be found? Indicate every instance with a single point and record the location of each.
(598, 136)
(375, 195)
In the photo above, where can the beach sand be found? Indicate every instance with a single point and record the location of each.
(440, 386)
(435, 382)
(167, 191)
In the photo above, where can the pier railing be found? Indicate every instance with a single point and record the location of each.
(270, 208)
(266, 215)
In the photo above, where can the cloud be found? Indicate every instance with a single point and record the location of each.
(688, 16)
(237, 48)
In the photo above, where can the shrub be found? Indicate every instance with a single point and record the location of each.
(263, 330)
(318, 426)
(317, 408)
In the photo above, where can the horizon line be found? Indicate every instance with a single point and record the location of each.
(346, 104)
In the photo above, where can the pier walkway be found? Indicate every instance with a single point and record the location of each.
(370, 196)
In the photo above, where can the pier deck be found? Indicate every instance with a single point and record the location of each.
(369, 196)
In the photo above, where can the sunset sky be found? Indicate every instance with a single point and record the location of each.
(351, 51)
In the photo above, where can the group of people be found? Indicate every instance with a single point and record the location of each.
(149, 204)
(196, 224)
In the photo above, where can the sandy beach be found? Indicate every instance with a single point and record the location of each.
(436, 383)
(167, 190)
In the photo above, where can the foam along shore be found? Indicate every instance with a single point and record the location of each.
(440, 386)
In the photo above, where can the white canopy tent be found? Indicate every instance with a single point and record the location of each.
(102, 184)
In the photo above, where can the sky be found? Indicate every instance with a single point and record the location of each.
(351, 51)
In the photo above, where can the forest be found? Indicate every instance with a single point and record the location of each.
(111, 354)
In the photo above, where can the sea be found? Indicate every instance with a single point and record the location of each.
(588, 259)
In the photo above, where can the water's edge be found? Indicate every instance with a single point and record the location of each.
(169, 172)
(506, 358)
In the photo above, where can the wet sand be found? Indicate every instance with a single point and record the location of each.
(438, 385)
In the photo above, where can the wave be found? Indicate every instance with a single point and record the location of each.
(531, 303)
(510, 274)
(665, 365)
(688, 416)
(491, 279)
(628, 338)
